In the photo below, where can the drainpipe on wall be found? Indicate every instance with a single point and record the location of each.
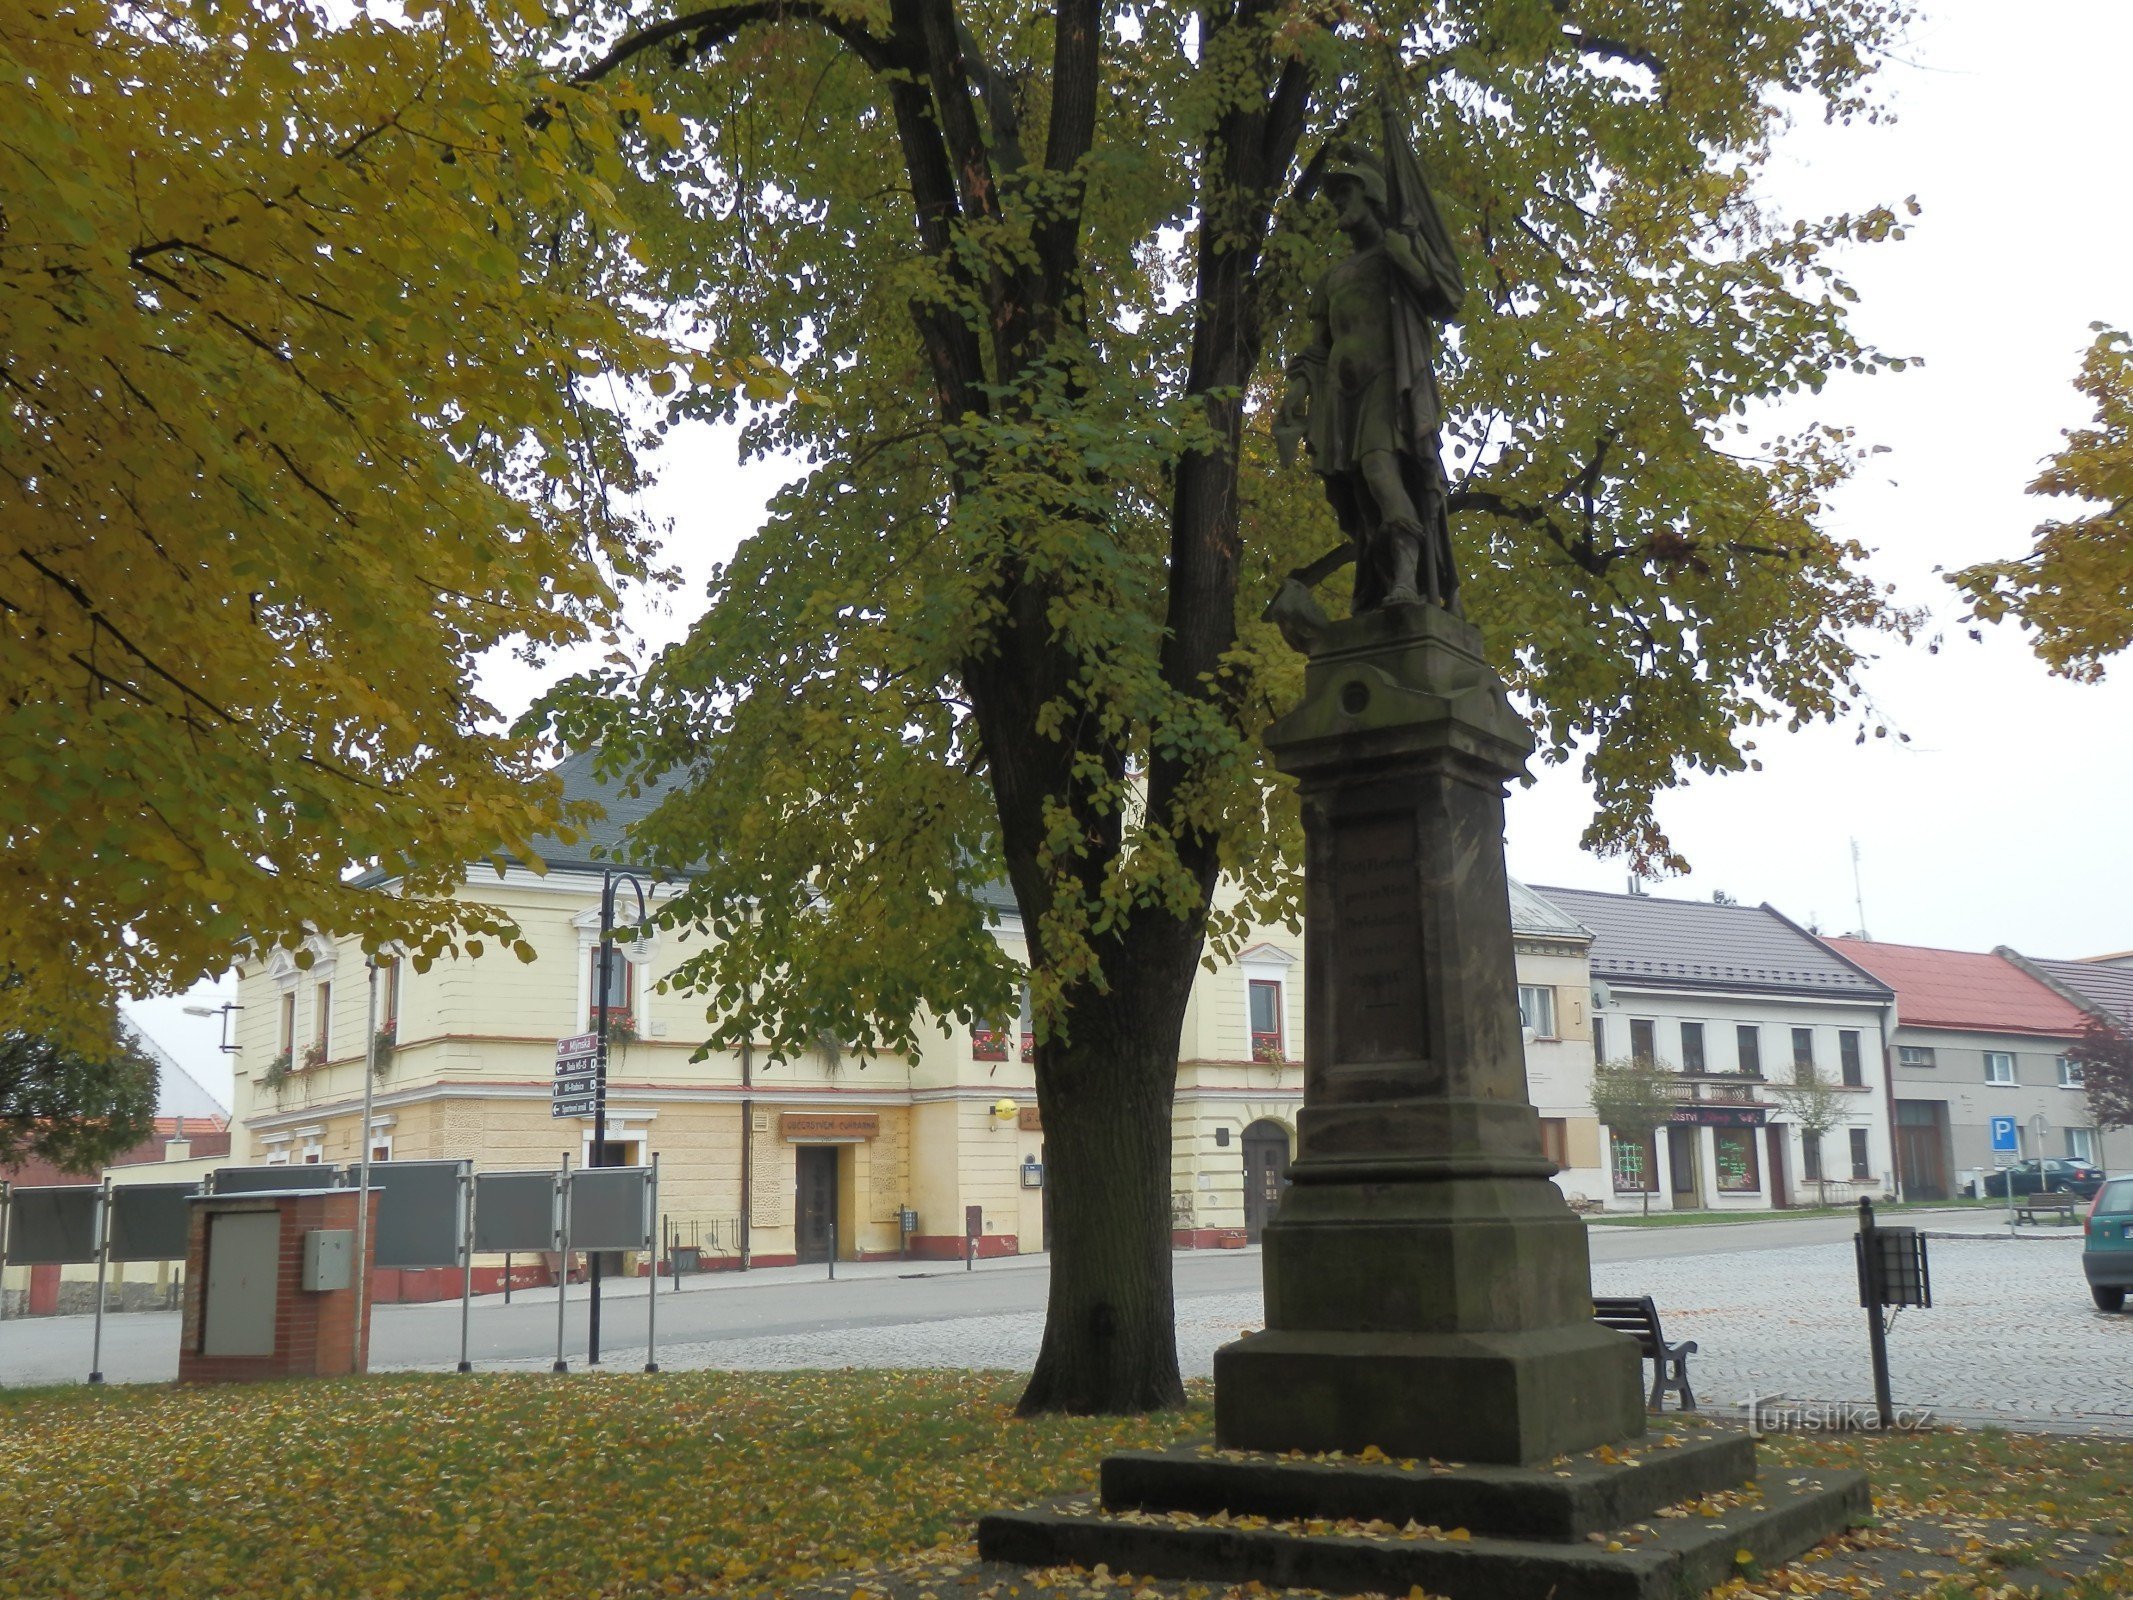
(1888, 1094)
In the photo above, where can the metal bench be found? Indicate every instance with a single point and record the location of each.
(2027, 1208)
(1639, 1318)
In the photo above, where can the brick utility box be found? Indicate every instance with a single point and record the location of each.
(270, 1287)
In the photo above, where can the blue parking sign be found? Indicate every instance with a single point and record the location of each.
(2004, 1136)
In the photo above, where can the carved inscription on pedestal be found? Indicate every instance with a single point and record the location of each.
(1377, 941)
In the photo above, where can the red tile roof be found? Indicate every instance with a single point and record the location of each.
(1962, 989)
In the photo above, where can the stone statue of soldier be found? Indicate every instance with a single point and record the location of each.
(1363, 393)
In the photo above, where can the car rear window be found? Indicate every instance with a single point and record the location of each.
(2116, 1196)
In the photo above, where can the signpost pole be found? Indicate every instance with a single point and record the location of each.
(466, 1263)
(357, 1344)
(599, 1149)
(103, 1256)
(1873, 1291)
(651, 1313)
(562, 1271)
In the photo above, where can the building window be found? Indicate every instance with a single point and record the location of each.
(288, 1023)
(1860, 1168)
(389, 973)
(2081, 1145)
(1734, 1151)
(1555, 1141)
(381, 1147)
(1027, 1023)
(1692, 1047)
(1644, 1040)
(2070, 1074)
(1265, 996)
(322, 1019)
(1536, 1009)
(1811, 1157)
(1848, 1055)
(1599, 1037)
(989, 1044)
(619, 977)
(1803, 1055)
(1635, 1170)
(1915, 1055)
(1749, 1041)
(1999, 1067)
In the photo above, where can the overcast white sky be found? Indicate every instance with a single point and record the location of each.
(2002, 821)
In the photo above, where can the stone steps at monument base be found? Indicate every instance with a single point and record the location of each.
(1671, 1559)
(1577, 1495)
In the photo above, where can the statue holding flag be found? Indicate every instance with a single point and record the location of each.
(1363, 393)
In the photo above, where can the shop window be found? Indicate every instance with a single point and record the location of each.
(1849, 1058)
(1734, 1153)
(1265, 994)
(1636, 1166)
(1536, 1009)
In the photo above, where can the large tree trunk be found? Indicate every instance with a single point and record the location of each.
(1110, 1343)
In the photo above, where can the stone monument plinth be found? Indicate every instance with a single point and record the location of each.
(1431, 1404)
(1427, 1286)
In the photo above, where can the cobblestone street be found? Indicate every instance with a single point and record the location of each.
(2011, 1332)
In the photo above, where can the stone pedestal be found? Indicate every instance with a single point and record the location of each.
(1427, 1287)
(1428, 1290)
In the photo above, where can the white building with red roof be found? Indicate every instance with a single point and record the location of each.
(1976, 1037)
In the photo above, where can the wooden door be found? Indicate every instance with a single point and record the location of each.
(1922, 1148)
(1774, 1152)
(1681, 1167)
(1266, 1166)
(816, 1211)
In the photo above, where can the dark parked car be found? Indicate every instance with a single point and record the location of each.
(2052, 1175)
(2107, 1244)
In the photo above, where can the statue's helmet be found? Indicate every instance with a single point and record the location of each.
(1364, 169)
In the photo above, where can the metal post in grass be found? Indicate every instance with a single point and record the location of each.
(357, 1342)
(5, 1194)
(609, 877)
(651, 1313)
(103, 1257)
(466, 1264)
(562, 1270)
(1870, 1291)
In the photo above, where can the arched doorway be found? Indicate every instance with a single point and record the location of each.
(1266, 1169)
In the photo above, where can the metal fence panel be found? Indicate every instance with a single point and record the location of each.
(289, 1175)
(421, 1212)
(52, 1226)
(611, 1208)
(514, 1211)
(151, 1221)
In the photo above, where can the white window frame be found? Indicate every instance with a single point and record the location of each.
(639, 954)
(277, 1149)
(1545, 994)
(312, 1152)
(2072, 1074)
(2081, 1145)
(1994, 1059)
(381, 1138)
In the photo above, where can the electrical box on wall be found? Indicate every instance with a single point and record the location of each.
(1032, 1174)
(329, 1259)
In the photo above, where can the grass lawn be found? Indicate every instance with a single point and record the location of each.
(627, 1485)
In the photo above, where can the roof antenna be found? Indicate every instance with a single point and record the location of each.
(1859, 894)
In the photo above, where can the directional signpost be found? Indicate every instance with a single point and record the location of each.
(576, 1090)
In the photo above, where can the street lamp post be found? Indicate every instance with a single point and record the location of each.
(609, 877)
